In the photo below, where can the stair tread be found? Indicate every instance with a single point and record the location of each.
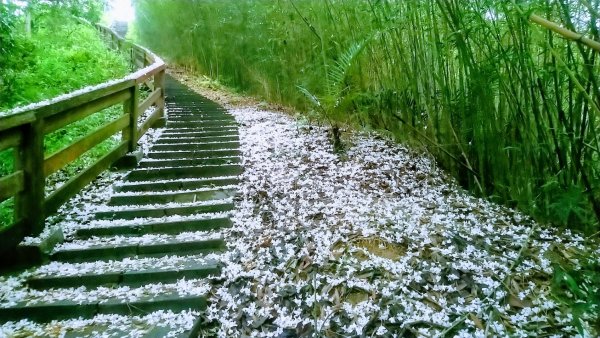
(156, 227)
(187, 269)
(160, 210)
(72, 303)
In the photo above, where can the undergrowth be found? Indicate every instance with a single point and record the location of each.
(508, 107)
(61, 55)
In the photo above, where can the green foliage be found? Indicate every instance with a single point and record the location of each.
(333, 105)
(62, 55)
(58, 58)
(508, 107)
(91, 10)
(576, 286)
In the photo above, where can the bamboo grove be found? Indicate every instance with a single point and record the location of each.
(508, 106)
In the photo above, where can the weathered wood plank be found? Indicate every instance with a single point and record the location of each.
(63, 157)
(29, 203)
(150, 72)
(150, 85)
(67, 117)
(159, 82)
(84, 98)
(75, 184)
(15, 120)
(148, 124)
(11, 185)
(10, 237)
(10, 139)
(130, 108)
(150, 100)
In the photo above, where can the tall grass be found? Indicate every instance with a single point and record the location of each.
(510, 108)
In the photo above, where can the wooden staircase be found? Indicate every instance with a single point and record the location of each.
(189, 177)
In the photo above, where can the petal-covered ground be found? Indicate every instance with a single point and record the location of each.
(376, 241)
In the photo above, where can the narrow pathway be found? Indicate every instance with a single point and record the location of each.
(189, 177)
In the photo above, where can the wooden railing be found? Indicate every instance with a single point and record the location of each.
(23, 130)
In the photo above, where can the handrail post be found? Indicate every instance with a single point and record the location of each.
(131, 108)
(159, 82)
(29, 204)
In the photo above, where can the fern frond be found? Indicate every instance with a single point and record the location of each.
(313, 99)
(339, 70)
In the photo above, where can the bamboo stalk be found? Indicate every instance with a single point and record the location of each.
(566, 33)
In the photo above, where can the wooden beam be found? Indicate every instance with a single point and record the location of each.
(84, 98)
(11, 236)
(11, 185)
(150, 71)
(75, 184)
(148, 124)
(10, 139)
(150, 100)
(130, 108)
(16, 120)
(29, 203)
(68, 154)
(159, 82)
(75, 114)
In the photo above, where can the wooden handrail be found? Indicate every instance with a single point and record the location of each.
(23, 129)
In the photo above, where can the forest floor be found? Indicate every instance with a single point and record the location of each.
(373, 241)
(378, 241)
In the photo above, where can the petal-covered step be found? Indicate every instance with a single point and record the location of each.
(176, 133)
(99, 248)
(180, 184)
(207, 171)
(159, 210)
(188, 196)
(196, 146)
(189, 269)
(63, 303)
(149, 163)
(199, 128)
(175, 155)
(148, 325)
(152, 227)
(211, 119)
(201, 124)
(178, 140)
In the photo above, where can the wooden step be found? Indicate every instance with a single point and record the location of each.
(196, 146)
(195, 128)
(201, 124)
(156, 228)
(201, 117)
(157, 212)
(113, 252)
(190, 162)
(43, 313)
(207, 171)
(176, 197)
(185, 184)
(169, 133)
(197, 154)
(180, 139)
(134, 278)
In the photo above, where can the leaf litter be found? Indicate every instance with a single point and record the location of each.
(378, 242)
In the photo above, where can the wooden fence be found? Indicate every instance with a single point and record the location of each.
(24, 131)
